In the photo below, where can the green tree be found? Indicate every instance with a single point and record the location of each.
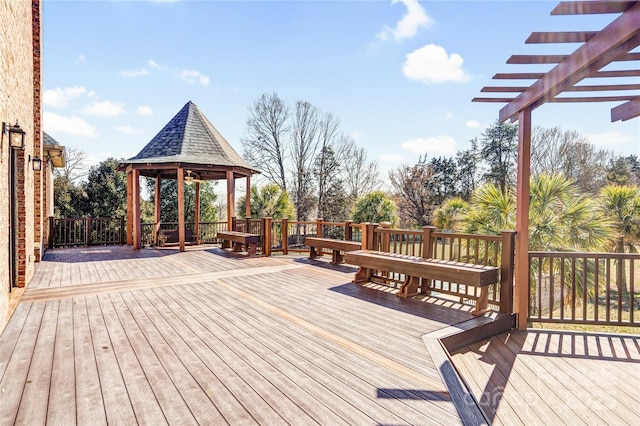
(169, 200)
(467, 169)
(268, 201)
(332, 198)
(491, 211)
(375, 207)
(622, 205)
(449, 216)
(499, 150)
(106, 190)
(69, 199)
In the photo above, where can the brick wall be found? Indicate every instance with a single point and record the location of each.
(17, 103)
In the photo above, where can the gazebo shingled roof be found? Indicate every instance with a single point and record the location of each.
(189, 139)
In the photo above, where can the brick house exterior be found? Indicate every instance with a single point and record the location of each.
(22, 190)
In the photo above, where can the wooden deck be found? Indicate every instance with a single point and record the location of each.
(108, 335)
(554, 377)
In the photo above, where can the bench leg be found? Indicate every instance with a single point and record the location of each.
(313, 253)
(226, 244)
(483, 302)
(337, 258)
(409, 287)
(253, 248)
(363, 275)
(237, 246)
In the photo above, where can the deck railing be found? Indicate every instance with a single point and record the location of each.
(584, 288)
(207, 231)
(86, 231)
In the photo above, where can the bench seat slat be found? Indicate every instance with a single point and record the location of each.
(239, 237)
(455, 272)
(332, 244)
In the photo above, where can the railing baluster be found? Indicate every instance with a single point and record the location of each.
(552, 289)
(632, 290)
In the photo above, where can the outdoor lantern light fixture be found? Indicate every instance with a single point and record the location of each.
(16, 135)
(36, 162)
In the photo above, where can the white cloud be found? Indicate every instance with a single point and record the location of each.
(191, 76)
(128, 130)
(613, 139)
(60, 97)
(81, 58)
(55, 123)
(391, 158)
(104, 109)
(144, 110)
(449, 114)
(154, 64)
(408, 26)
(434, 146)
(134, 73)
(472, 124)
(432, 64)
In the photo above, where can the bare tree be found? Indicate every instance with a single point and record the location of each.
(360, 175)
(267, 131)
(554, 151)
(75, 165)
(304, 143)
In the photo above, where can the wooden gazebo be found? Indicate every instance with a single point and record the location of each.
(189, 149)
(614, 43)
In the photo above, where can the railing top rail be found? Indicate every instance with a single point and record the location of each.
(304, 222)
(581, 255)
(397, 231)
(333, 223)
(469, 236)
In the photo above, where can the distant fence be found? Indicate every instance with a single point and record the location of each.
(86, 231)
(584, 288)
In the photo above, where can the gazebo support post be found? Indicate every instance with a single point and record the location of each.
(231, 198)
(521, 276)
(129, 206)
(137, 240)
(156, 210)
(180, 179)
(196, 215)
(247, 201)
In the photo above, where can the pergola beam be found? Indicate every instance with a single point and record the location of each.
(560, 37)
(626, 111)
(591, 7)
(615, 40)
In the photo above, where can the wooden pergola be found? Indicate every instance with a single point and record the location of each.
(614, 43)
(190, 150)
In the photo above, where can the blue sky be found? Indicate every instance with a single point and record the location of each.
(399, 74)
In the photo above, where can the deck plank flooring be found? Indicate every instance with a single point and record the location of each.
(111, 335)
(554, 377)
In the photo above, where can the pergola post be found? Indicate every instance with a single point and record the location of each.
(521, 275)
(231, 198)
(129, 206)
(180, 179)
(247, 201)
(196, 215)
(137, 240)
(156, 209)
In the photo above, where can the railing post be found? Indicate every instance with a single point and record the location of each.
(506, 271)
(247, 225)
(319, 232)
(385, 245)
(87, 235)
(233, 223)
(348, 233)
(285, 236)
(266, 236)
(427, 247)
(368, 235)
(122, 231)
(51, 231)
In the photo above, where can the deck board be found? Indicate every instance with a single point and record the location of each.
(111, 335)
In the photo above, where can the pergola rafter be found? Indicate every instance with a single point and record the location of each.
(614, 43)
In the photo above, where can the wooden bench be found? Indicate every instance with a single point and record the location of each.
(316, 244)
(415, 267)
(240, 240)
(171, 236)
